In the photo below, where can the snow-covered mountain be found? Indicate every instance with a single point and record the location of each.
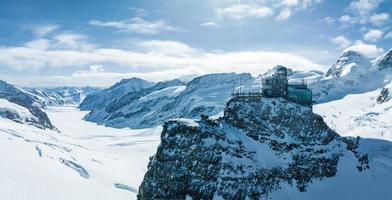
(20, 93)
(104, 97)
(363, 107)
(258, 150)
(353, 73)
(348, 62)
(62, 95)
(18, 105)
(166, 100)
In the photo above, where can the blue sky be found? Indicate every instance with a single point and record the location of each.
(48, 43)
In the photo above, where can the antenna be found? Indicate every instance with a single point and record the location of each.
(233, 87)
(240, 85)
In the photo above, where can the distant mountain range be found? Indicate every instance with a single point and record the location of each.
(62, 95)
(138, 103)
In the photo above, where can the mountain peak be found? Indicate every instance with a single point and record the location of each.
(118, 90)
(351, 53)
(346, 62)
(132, 81)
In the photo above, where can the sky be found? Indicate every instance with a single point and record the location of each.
(50, 43)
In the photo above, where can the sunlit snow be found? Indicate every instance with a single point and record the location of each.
(84, 161)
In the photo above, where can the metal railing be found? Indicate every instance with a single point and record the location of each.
(247, 94)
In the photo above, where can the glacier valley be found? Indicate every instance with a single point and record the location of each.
(84, 161)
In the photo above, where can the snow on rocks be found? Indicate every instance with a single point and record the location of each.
(261, 148)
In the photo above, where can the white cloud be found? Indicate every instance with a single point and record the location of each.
(289, 7)
(329, 20)
(169, 48)
(373, 35)
(363, 12)
(368, 50)
(97, 68)
(140, 12)
(62, 41)
(347, 19)
(379, 19)
(290, 3)
(284, 14)
(136, 25)
(363, 7)
(154, 60)
(209, 24)
(43, 30)
(341, 41)
(260, 8)
(241, 11)
(298, 4)
(41, 44)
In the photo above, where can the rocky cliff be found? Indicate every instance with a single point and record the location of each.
(262, 148)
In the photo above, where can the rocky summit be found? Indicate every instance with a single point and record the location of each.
(262, 148)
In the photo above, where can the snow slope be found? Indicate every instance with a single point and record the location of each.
(359, 115)
(20, 106)
(19, 93)
(85, 161)
(19, 112)
(357, 111)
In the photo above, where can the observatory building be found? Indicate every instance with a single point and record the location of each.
(277, 85)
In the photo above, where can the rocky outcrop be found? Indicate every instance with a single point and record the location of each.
(258, 147)
(384, 96)
(386, 61)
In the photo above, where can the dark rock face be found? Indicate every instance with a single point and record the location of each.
(256, 147)
(384, 96)
(193, 169)
(386, 61)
